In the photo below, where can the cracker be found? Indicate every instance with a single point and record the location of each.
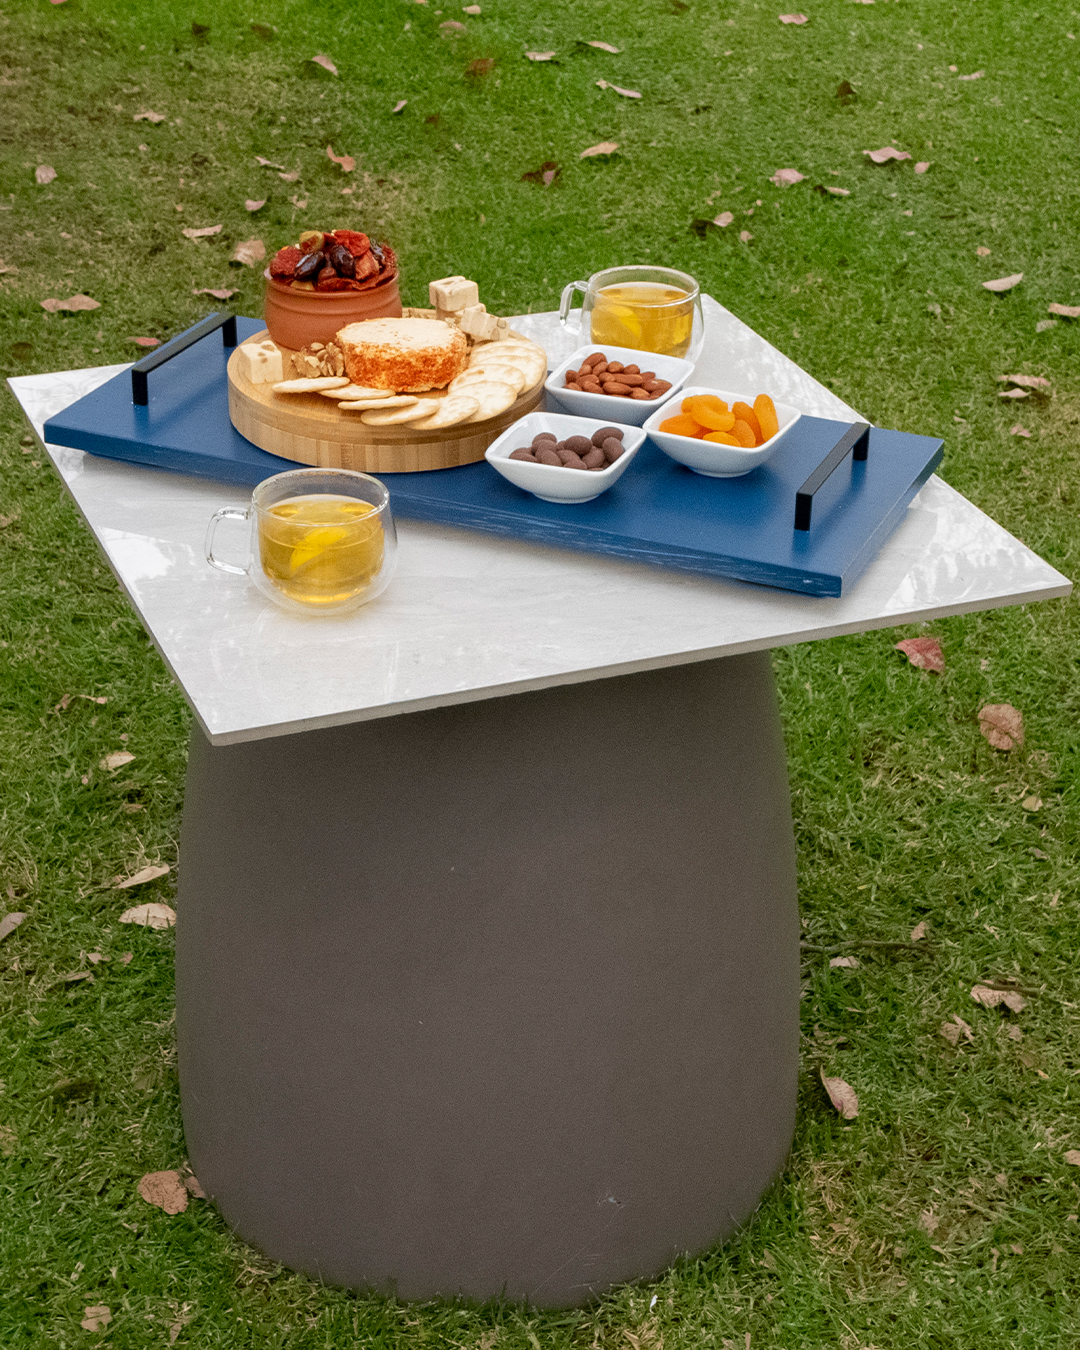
(395, 401)
(310, 384)
(422, 407)
(489, 350)
(353, 391)
(451, 410)
(501, 371)
(493, 398)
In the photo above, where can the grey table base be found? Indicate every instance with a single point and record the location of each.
(499, 999)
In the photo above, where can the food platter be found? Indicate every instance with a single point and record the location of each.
(311, 429)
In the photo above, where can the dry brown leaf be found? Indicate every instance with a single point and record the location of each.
(268, 163)
(222, 293)
(919, 931)
(8, 1140)
(994, 998)
(745, 236)
(44, 173)
(77, 975)
(842, 1095)
(952, 1031)
(976, 76)
(787, 177)
(399, 105)
(922, 166)
(794, 18)
(146, 342)
(194, 1188)
(165, 1190)
(325, 62)
(924, 652)
(73, 303)
(982, 251)
(346, 162)
(540, 56)
(626, 93)
(1017, 430)
(183, 1317)
(1044, 324)
(1025, 381)
(1032, 803)
(606, 47)
(154, 117)
(252, 204)
(929, 1221)
(1013, 393)
(96, 1318)
(1066, 311)
(604, 148)
(724, 219)
(470, 9)
(205, 232)
(154, 915)
(450, 27)
(290, 177)
(9, 923)
(249, 252)
(117, 759)
(886, 153)
(844, 963)
(1003, 283)
(1002, 725)
(142, 876)
(1072, 1157)
(835, 191)
(482, 65)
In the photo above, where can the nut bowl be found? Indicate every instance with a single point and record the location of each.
(629, 412)
(553, 484)
(710, 458)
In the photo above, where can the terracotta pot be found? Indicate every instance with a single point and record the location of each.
(296, 318)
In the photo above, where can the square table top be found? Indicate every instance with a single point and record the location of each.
(471, 617)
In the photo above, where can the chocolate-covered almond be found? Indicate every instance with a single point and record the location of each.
(526, 455)
(546, 456)
(599, 437)
(595, 459)
(580, 445)
(542, 436)
(612, 449)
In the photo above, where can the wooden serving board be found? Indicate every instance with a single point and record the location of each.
(313, 430)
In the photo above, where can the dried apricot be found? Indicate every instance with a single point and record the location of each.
(745, 413)
(744, 434)
(682, 425)
(766, 416)
(721, 437)
(709, 411)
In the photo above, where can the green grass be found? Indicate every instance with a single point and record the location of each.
(903, 812)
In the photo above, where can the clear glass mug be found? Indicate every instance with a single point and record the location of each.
(321, 541)
(654, 309)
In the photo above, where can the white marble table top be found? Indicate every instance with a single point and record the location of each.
(471, 617)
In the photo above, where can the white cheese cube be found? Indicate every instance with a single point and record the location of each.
(260, 362)
(478, 323)
(453, 293)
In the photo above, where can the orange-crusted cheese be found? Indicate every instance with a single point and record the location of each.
(409, 355)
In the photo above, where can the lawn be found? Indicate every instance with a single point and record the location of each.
(945, 1214)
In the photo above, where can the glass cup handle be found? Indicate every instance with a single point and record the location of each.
(226, 513)
(567, 301)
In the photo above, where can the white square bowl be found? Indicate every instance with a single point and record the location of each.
(553, 484)
(631, 412)
(710, 457)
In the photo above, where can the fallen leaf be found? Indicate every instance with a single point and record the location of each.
(832, 191)
(146, 342)
(73, 303)
(44, 173)
(399, 105)
(922, 166)
(1013, 393)
(626, 93)
(544, 176)
(78, 975)
(1004, 283)
(175, 1328)
(845, 92)
(470, 9)
(154, 915)
(96, 1318)
(165, 1190)
(982, 251)
(844, 962)
(1038, 853)
(1066, 311)
(794, 18)
(126, 958)
(250, 205)
(606, 47)
(9, 923)
(928, 1221)
(886, 153)
(325, 62)
(1072, 1157)
(976, 76)
(346, 162)
(154, 117)
(482, 65)
(1017, 430)
(268, 163)
(204, 233)
(602, 84)
(450, 27)
(219, 293)
(1025, 381)
(745, 236)
(249, 252)
(919, 931)
(149, 873)
(724, 219)
(842, 1095)
(194, 1188)
(8, 1141)
(952, 1031)
(994, 998)
(787, 177)
(1032, 803)
(1002, 725)
(604, 148)
(117, 759)
(540, 56)
(1014, 1033)
(290, 177)
(1044, 324)
(95, 958)
(924, 652)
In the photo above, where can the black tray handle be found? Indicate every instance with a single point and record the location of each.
(140, 392)
(855, 440)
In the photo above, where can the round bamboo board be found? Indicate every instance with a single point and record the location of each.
(313, 430)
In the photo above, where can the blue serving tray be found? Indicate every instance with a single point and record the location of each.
(659, 512)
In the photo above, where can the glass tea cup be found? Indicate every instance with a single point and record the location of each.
(321, 541)
(652, 309)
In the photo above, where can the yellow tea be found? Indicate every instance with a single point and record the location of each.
(647, 315)
(320, 548)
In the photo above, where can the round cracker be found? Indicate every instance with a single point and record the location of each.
(355, 391)
(421, 408)
(451, 410)
(503, 372)
(490, 350)
(391, 401)
(532, 370)
(311, 384)
(493, 398)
